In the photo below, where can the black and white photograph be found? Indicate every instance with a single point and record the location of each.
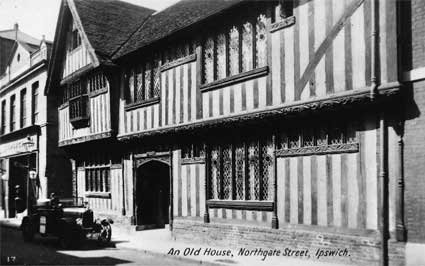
(212, 132)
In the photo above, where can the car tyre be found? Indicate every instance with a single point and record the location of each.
(105, 234)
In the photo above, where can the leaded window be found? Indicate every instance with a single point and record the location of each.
(238, 47)
(78, 103)
(96, 82)
(320, 136)
(143, 81)
(98, 173)
(241, 170)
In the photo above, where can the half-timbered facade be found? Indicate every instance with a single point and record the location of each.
(244, 120)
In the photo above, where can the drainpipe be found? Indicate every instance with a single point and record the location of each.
(383, 175)
(123, 178)
(375, 49)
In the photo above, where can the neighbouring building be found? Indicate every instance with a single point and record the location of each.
(255, 123)
(28, 127)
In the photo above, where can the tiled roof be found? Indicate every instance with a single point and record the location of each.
(174, 18)
(108, 24)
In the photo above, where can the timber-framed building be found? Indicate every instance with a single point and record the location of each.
(236, 121)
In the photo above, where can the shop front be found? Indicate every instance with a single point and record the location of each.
(19, 181)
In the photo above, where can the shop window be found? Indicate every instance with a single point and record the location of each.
(241, 170)
(236, 48)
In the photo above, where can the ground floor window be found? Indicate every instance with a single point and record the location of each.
(241, 170)
(98, 179)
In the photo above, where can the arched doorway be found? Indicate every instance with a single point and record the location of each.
(152, 195)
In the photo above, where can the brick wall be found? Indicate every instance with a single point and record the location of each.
(362, 249)
(414, 161)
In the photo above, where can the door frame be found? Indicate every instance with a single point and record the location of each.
(144, 158)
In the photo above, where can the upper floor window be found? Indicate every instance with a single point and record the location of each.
(78, 103)
(34, 101)
(96, 82)
(23, 108)
(75, 39)
(236, 48)
(144, 81)
(12, 113)
(3, 117)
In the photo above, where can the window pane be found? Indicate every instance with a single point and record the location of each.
(107, 180)
(131, 97)
(139, 90)
(261, 41)
(156, 79)
(101, 180)
(148, 81)
(254, 171)
(267, 173)
(215, 174)
(247, 47)
(221, 56)
(240, 172)
(209, 61)
(227, 172)
(234, 51)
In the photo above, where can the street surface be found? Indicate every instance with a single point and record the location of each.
(45, 251)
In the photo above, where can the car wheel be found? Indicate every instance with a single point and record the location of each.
(28, 231)
(105, 234)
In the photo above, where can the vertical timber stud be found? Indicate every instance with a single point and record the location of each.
(207, 181)
(400, 226)
(275, 220)
(375, 49)
(171, 211)
(384, 191)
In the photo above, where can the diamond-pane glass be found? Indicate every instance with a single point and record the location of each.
(148, 81)
(294, 140)
(308, 139)
(283, 141)
(234, 51)
(335, 136)
(221, 56)
(156, 80)
(131, 97)
(140, 96)
(227, 172)
(254, 171)
(247, 47)
(240, 172)
(209, 60)
(215, 174)
(321, 137)
(261, 46)
(267, 174)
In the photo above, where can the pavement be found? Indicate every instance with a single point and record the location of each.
(160, 242)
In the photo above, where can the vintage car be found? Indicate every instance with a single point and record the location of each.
(71, 220)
